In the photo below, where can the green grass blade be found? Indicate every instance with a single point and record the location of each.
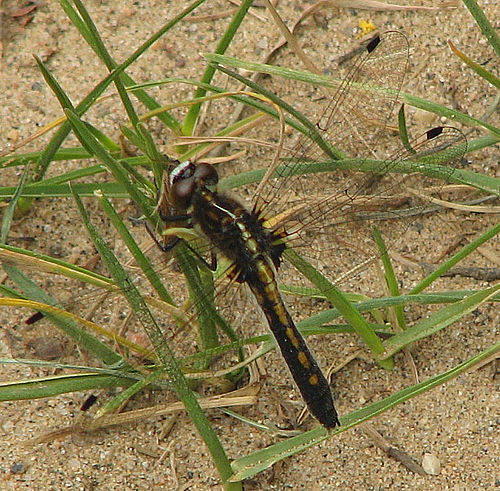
(334, 295)
(200, 297)
(249, 101)
(52, 82)
(165, 354)
(61, 384)
(32, 291)
(225, 40)
(119, 400)
(50, 150)
(96, 42)
(88, 140)
(156, 158)
(113, 189)
(328, 81)
(311, 129)
(439, 320)
(482, 72)
(456, 258)
(256, 462)
(76, 20)
(9, 212)
(449, 113)
(327, 316)
(41, 262)
(390, 277)
(141, 259)
(403, 129)
(484, 24)
(13, 160)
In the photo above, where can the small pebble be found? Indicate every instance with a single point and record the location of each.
(74, 464)
(262, 43)
(431, 464)
(18, 468)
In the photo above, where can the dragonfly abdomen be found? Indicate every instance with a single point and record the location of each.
(241, 237)
(305, 371)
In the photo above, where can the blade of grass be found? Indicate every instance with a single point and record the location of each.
(225, 40)
(479, 181)
(156, 159)
(352, 315)
(484, 24)
(77, 173)
(88, 140)
(11, 208)
(328, 316)
(113, 189)
(249, 101)
(312, 130)
(439, 320)
(32, 291)
(60, 384)
(390, 277)
(53, 146)
(141, 259)
(482, 182)
(256, 462)
(485, 74)
(96, 42)
(120, 400)
(468, 249)
(328, 81)
(105, 354)
(56, 313)
(200, 298)
(403, 129)
(62, 154)
(71, 328)
(165, 354)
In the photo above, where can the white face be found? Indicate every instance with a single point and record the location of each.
(180, 170)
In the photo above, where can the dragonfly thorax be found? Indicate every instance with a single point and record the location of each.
(237, 233)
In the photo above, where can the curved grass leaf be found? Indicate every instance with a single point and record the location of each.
(439, 320)
(256, 462)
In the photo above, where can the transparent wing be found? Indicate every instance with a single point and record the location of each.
(319, 202)
(355, 118)
(436, 152)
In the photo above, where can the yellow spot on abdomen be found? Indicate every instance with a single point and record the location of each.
(291, 336)
(304, 360)
(313, 379)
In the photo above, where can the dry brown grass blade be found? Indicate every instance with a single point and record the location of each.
(240, 397)
(399, 455)
(373, 5)
(456, 206)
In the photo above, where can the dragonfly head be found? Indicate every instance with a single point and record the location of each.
(186, 178)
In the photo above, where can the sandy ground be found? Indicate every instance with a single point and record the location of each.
(456, 422)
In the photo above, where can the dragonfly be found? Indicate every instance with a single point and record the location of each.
(254, 245)
(254, 238)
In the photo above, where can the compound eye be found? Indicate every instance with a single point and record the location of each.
(181, 193)
(206, 174)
